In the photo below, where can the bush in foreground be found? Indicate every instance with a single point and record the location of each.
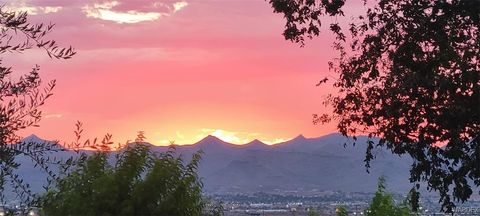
(383, 203)
(140, 182)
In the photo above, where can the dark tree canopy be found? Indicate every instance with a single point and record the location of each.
(409, 74)
(303, 16)
(20, 99)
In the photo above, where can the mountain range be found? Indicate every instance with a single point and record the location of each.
(299, 165)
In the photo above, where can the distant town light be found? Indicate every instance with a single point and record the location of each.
(33, 212)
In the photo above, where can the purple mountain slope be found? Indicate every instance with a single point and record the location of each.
(301, 164)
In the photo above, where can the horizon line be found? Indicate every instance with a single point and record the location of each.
(207, 136)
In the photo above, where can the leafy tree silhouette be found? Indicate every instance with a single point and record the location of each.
(21, 99)
(408, 73)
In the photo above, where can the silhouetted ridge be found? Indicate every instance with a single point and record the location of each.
(210, 138)
(255, 142)
(211, 141)
(255, 145)
(299, 138)
(32, 138)
(302, 164)
(35, 140)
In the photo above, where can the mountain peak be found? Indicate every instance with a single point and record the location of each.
(35, 139)
(255, 142)
(211, 140)
(31, 138)
(255, 145)
(300, 137)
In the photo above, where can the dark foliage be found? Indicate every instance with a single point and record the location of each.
(408, 74)
(140, 182)
(21, 99)
(303, 16)
(383, 203)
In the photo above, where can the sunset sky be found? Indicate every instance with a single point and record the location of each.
(178, 70)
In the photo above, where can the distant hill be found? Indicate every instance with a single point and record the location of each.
(301, 164)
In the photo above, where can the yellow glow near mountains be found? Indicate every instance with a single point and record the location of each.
(228, 136)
